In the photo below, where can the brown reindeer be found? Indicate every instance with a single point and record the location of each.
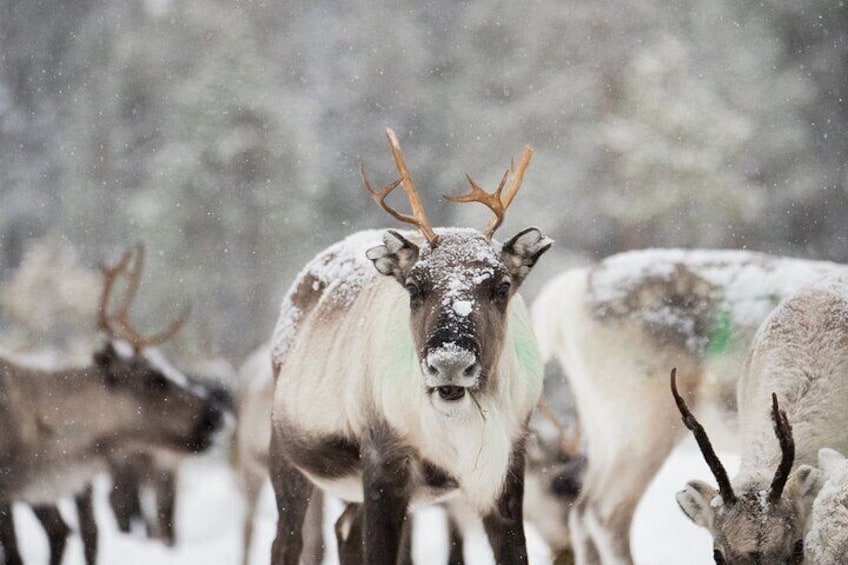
(61, 428)
(410, 387)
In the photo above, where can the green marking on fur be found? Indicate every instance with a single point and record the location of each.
(721, 334)
(524, 343)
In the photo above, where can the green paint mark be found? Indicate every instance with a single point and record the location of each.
(721, 334)
(524, 343)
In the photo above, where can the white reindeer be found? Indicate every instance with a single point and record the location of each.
(799, 359)
(406, 373)
(617, 327)
(827, 541)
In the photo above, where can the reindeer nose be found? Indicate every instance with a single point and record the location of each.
(451, 366)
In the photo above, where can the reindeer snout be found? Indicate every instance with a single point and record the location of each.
(449, 370)
(211, 421)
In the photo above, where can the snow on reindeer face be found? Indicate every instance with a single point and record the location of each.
(459, 290)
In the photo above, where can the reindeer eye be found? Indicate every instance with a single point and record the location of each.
(413, 290)
(718, 557)
(502, 290)
(157, 382)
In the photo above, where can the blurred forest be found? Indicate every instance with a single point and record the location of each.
(227, 136)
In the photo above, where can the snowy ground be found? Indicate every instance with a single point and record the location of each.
(210, 510)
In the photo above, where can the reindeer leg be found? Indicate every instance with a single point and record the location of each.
(505, 524)
(386, 485)
(252, 482)
(55, 527)
(455, 541)
(313, 535)
(7, 535)
(88, 524)
(405, 557)
(349, 535)
(292, 491)
(166, 497)
(124, 498)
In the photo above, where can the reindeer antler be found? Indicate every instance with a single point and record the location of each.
(783, 431)
(118, 324)
(493, 200)
(689, 420)
(418, 217)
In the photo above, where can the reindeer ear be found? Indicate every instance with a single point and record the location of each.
(395, 257)
(521, 252)
(699, 501)
(804, 485)
(831, 462)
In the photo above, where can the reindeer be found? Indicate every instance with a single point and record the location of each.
(617, 327)
(827, 541)
(799, 357)
(61, 428)
(409, 379)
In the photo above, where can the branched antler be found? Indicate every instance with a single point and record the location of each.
(689, 420)
(118, 325)
(418, 217)
(783, 431)
(496, 201)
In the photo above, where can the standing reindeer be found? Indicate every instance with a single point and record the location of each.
(406, 373)
(61, 428)
(617, 327)
(798, 358)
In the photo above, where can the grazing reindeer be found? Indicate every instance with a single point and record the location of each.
(798, 356)
(60, 428)
(412, 386)
(754, 522)
(827, 541)
(616, 328)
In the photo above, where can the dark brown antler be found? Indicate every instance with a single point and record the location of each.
(118, 325)
(494, 200)
(783, 431)
(418, 217)
(689, 420)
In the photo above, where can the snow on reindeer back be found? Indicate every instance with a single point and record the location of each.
(699, 300)
(462, 260)
(337, 274)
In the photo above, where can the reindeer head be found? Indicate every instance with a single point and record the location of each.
(759, 524)
(460, 283)
(150, 402)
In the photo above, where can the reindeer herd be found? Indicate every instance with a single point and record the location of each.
(405, 370)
